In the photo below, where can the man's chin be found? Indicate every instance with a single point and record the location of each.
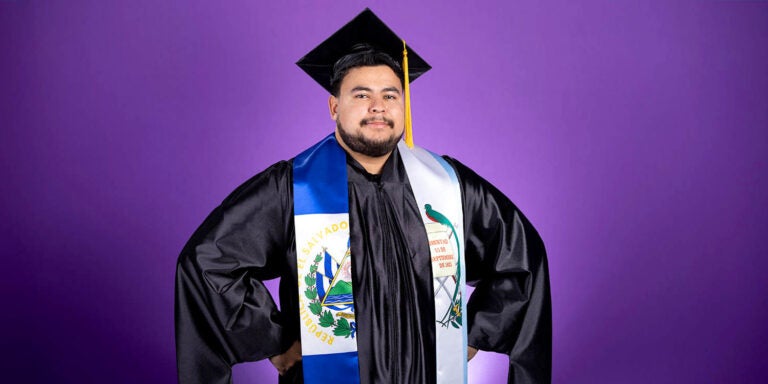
(370, 147)
(374, 149)
(370, 140)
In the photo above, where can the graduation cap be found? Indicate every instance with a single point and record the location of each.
(365, 28)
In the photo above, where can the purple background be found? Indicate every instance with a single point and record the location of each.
(633, 134)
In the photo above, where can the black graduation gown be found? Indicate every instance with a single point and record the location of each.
(225, 315)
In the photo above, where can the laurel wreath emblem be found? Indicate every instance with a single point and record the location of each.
(341, 326)
(452, 316)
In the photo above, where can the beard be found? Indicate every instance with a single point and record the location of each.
(357, 142)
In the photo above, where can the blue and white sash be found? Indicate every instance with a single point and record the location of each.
(326, 307)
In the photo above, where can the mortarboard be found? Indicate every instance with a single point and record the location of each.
(365, 28)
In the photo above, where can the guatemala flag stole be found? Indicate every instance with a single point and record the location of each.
(324, 262)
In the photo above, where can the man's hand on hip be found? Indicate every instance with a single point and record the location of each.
(287, 359)
(471, 352)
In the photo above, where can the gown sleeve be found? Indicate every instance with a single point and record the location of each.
(224, 313)
(510, 309)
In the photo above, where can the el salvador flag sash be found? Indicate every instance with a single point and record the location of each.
(323, 259)
(321, 218)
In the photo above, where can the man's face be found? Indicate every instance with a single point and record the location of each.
(369, 111)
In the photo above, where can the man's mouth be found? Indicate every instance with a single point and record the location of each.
(378, 122)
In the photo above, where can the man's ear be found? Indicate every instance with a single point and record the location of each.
(333, 105)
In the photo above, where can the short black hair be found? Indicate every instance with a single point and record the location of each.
(362, 55)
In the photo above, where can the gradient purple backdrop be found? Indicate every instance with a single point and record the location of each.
(633, 134)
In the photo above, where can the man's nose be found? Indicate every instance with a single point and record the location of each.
(377, 105)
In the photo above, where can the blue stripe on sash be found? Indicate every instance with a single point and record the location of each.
(320, 185)
(337, 368)
(448, 168)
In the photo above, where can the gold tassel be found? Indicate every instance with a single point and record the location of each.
(408, 123)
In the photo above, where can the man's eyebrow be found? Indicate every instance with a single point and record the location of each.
(391, 89)
(361, 88)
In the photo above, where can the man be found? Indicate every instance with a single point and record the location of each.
(373, 241)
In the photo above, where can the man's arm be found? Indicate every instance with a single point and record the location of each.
(224, 313)
(509, 311)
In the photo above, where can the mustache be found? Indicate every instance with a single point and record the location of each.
(389, 122)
